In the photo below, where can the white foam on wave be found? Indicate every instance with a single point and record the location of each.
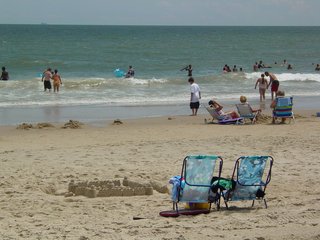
(288, 76)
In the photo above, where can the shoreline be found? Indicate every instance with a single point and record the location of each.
(98, 114)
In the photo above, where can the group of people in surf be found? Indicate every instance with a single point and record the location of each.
(49, 75)
(263, 85)
(227, 69)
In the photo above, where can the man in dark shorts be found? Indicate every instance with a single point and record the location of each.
(46, 79)
(274, 82)
(195, 96)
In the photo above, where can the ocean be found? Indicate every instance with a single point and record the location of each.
(87, 56)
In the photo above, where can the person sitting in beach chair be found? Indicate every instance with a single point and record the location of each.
(218, 107)
(246, 111)
(282, 107)
(215, 110)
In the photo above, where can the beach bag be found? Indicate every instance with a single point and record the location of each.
(222, 184)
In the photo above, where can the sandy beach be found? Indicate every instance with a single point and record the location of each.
(38, 164)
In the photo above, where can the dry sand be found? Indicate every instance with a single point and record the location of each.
(36, 166)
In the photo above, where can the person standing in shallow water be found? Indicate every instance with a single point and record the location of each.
(274, 82)
(46, 77)
(130, 73)
(263, 85)
(4, 74)
(194, 97)
(56, 81)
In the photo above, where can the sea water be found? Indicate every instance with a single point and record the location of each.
(87, 56)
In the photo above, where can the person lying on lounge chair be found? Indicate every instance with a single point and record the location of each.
(218, 107)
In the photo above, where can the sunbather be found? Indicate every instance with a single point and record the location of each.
(218, 107)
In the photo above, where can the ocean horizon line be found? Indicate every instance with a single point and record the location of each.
(153, 25)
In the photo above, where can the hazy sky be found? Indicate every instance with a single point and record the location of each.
(162, 12)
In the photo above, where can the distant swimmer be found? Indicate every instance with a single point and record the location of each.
(289, 67)
(56, 81)
(284, 62)
(46, 76)
(255, 67)
(226, 68)
(189, 69)
(4, 74)
(261, 64)
(234, 69)
(317, 67)
(274, 82)
(130, 72)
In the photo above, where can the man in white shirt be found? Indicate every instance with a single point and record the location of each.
(195, 96)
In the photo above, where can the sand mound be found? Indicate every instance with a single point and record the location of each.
(24, 126)
(262, 118)
(117, 122)
(27, 126)
(43, 125)
(109, 188)
(72, 124)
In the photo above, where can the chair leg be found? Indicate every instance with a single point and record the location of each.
(227, 207)
(218, 203)
(265, 203)
(175, 206)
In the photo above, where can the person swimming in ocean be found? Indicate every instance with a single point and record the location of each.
(4, 74)
(130, 72)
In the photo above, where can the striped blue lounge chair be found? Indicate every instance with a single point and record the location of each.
(283, 108)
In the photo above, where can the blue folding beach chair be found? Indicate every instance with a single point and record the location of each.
(283, 108)
(250, 178)
(194, 185)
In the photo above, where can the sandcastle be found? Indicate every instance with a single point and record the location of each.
(109, 188)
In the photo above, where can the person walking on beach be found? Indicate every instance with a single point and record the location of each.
(46, 76)
(263, 85)
(194, 97)
(4, 74)
(274, 82)
(56, 81)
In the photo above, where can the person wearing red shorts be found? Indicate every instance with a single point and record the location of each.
(274, 82)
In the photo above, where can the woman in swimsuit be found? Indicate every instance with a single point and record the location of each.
(263, 85)
(56, 81)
